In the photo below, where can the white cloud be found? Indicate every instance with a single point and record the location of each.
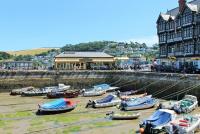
(149, 40)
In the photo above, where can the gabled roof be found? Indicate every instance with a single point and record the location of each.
(84, 55)
(193, 5)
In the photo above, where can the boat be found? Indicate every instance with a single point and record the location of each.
(19, 91)
(123, 115)
(102, 87)
(155, 123)
(64, 94)
(56, 106)
(106, 87)
(127, 97)
(93, 93)
(187, 124)
(127, 93)
(138, 103)
(186, 105)
(108, 101)
(44, 91)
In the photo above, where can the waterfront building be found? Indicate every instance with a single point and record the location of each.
(83, 60)
(179, 35)
(17, 65)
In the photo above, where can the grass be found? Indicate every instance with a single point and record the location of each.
(16, 115)
(30, 51)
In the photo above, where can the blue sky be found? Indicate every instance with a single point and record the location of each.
(30, 24)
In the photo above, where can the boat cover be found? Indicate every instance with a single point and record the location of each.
(159, 118)
(138, 101)
(59, 103)
(102, 87)
(107, 99)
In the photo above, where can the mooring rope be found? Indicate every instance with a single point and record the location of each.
(144, 88)
(180, 92)
(166, 88)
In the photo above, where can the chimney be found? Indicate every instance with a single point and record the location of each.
(182, 4)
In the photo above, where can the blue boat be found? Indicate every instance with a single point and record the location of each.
(138, 103)
(156, 122)
(57, 106)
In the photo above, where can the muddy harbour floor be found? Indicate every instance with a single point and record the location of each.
(18, 116)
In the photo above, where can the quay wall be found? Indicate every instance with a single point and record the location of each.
(159, 84)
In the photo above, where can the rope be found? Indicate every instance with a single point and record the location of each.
(144, 88)
(165, 89)
(180, 92)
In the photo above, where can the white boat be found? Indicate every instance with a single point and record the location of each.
(44, 91)
(186, 105)
(184, 125)
(108, 101)
(93, 93)
(123, 115)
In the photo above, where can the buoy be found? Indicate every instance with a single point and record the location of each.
(142, 130)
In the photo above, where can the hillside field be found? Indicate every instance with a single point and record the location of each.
(30, 51)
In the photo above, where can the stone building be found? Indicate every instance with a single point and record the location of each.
(179, 34)
(83, 60)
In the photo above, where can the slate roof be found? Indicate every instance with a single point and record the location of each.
(193, 5)
(84, 55)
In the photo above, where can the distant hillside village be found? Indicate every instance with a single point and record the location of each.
(91, 55)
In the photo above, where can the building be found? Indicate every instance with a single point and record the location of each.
(83, 60)
(179, 35)
(17, 65)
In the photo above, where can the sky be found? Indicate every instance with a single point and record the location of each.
(27, 24)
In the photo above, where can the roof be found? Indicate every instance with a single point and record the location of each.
(193, 5)
(84, 55)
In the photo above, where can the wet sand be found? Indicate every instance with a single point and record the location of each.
(17, 116)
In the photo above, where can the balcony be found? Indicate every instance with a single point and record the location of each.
(170, 40)
(187, 24)
(178, 39)
(163, 55)
(162, 31)
(171, 54)
(179, 53)
(188, 38)
(162, 42)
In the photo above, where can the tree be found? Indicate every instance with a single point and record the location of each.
(5, 56)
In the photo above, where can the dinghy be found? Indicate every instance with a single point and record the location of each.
(44, 91)
(65, 94)
(123, 115)
(19, 91)
(184, 125)
(186, 105)
(155, 123)
(56, 106)
(93, 93)
(106, 87)
(138, 103)
(108, 101)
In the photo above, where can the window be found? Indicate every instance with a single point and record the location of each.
(188, 32)
(189, 48)
(163, 50)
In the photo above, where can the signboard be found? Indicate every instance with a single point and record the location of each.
(86, 60)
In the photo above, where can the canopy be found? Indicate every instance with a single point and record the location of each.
(159, 118)
(59, 103)
(107, 99)
(139, 101)
(102, 86)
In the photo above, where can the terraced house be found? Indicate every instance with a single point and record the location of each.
(179, 35)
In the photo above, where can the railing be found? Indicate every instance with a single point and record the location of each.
(178, 39)
(179, 53)
(171, 54)
(170, 40)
